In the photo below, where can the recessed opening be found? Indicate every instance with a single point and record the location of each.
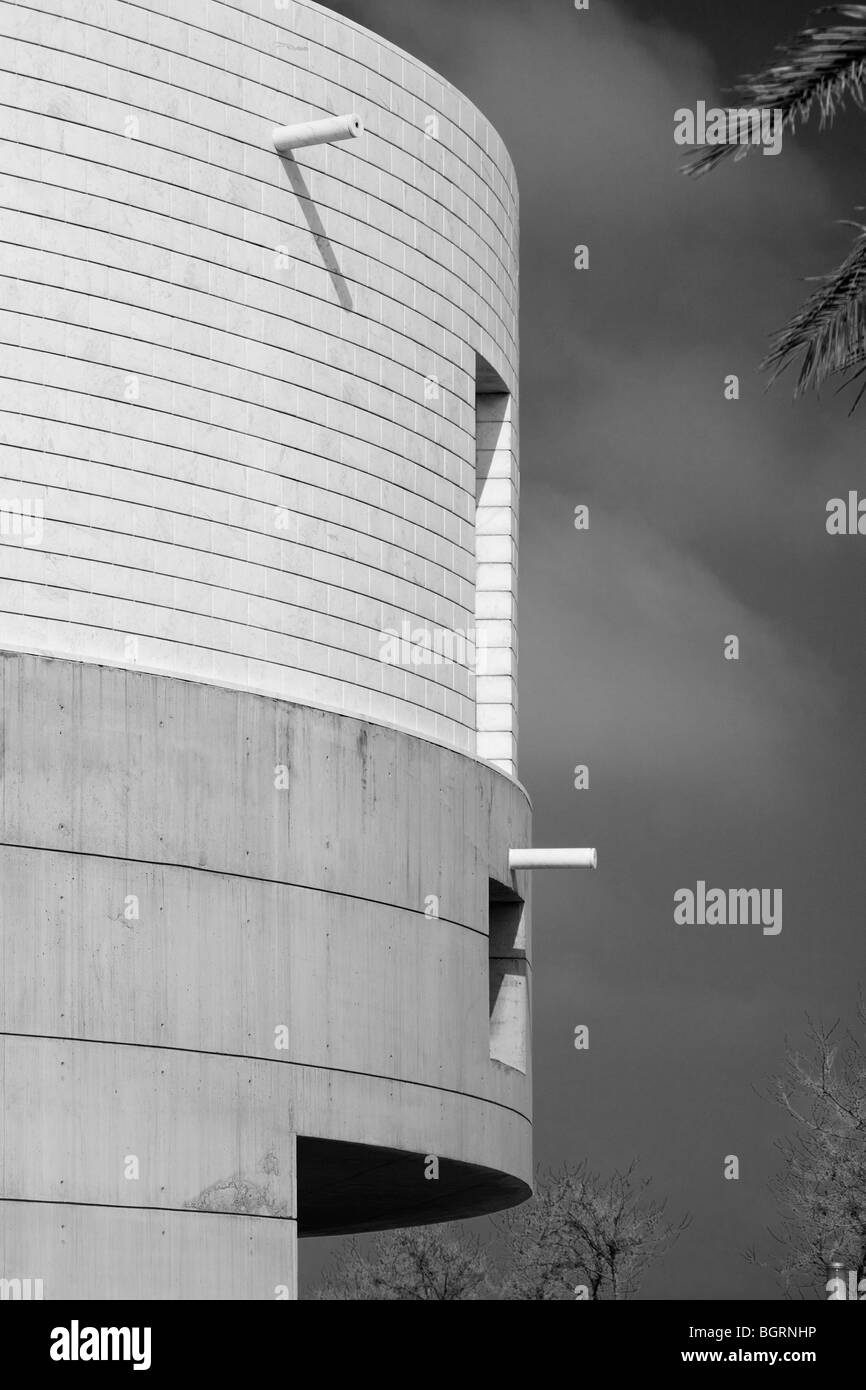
(348, 1187)
(496, 487)
(509, 983)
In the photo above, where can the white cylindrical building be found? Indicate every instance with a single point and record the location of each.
(263, 954)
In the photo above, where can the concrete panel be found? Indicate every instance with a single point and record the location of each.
(219, 962)
(126, 764)
(121, 1253)
(198, 965)
(145, 1127)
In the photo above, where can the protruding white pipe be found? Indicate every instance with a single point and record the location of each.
(295, 137)
(552, 859)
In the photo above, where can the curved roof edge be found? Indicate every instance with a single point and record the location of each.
(421, 65)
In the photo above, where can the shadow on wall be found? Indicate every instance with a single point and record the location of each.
(314, 222)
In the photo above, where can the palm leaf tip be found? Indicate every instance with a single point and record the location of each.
(824, 65)
(828, 334)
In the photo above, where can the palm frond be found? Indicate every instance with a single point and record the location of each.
(824, 65)
(829, 331)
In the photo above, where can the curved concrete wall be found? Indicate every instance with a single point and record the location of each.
(243, 387)
(217, 935)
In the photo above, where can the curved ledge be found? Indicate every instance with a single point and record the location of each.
(337, 1180)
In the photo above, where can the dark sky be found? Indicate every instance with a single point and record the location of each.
(707, 518)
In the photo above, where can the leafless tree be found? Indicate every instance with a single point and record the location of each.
(586, 1236)
(415, 1264)
(821, 1189)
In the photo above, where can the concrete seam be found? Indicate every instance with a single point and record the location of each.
(254, 1057)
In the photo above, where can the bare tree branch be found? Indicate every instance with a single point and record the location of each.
(821, 1189)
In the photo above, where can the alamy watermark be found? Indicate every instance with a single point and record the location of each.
(721, 907)
(433, 646)
(22, 518)
(716, 125)
(845, 1285)
(21, 1290)
(77, 1343)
